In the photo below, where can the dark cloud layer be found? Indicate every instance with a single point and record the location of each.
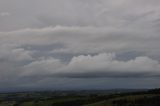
(88, 43)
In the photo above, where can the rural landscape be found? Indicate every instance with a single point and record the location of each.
(83, 98)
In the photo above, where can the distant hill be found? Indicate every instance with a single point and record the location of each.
(143, 98)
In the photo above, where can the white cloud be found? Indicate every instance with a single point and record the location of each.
(107, 65)
(101, 65)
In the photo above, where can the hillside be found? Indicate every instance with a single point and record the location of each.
(149, 98)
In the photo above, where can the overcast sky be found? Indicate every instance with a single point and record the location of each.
(79, 44)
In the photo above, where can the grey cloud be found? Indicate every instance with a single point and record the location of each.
(46, 40)
(74, 13)
(3, 14)
(86, 39)
(14, 54)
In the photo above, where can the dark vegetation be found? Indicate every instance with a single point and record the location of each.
(82, 98)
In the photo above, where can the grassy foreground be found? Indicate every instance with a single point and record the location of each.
(145, 98)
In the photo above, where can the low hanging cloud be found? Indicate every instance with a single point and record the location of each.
(100, 65)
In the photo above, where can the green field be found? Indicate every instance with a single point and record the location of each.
(143, 98)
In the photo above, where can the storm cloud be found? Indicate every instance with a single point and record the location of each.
(55, 42)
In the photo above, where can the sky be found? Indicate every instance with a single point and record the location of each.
(79, 44)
